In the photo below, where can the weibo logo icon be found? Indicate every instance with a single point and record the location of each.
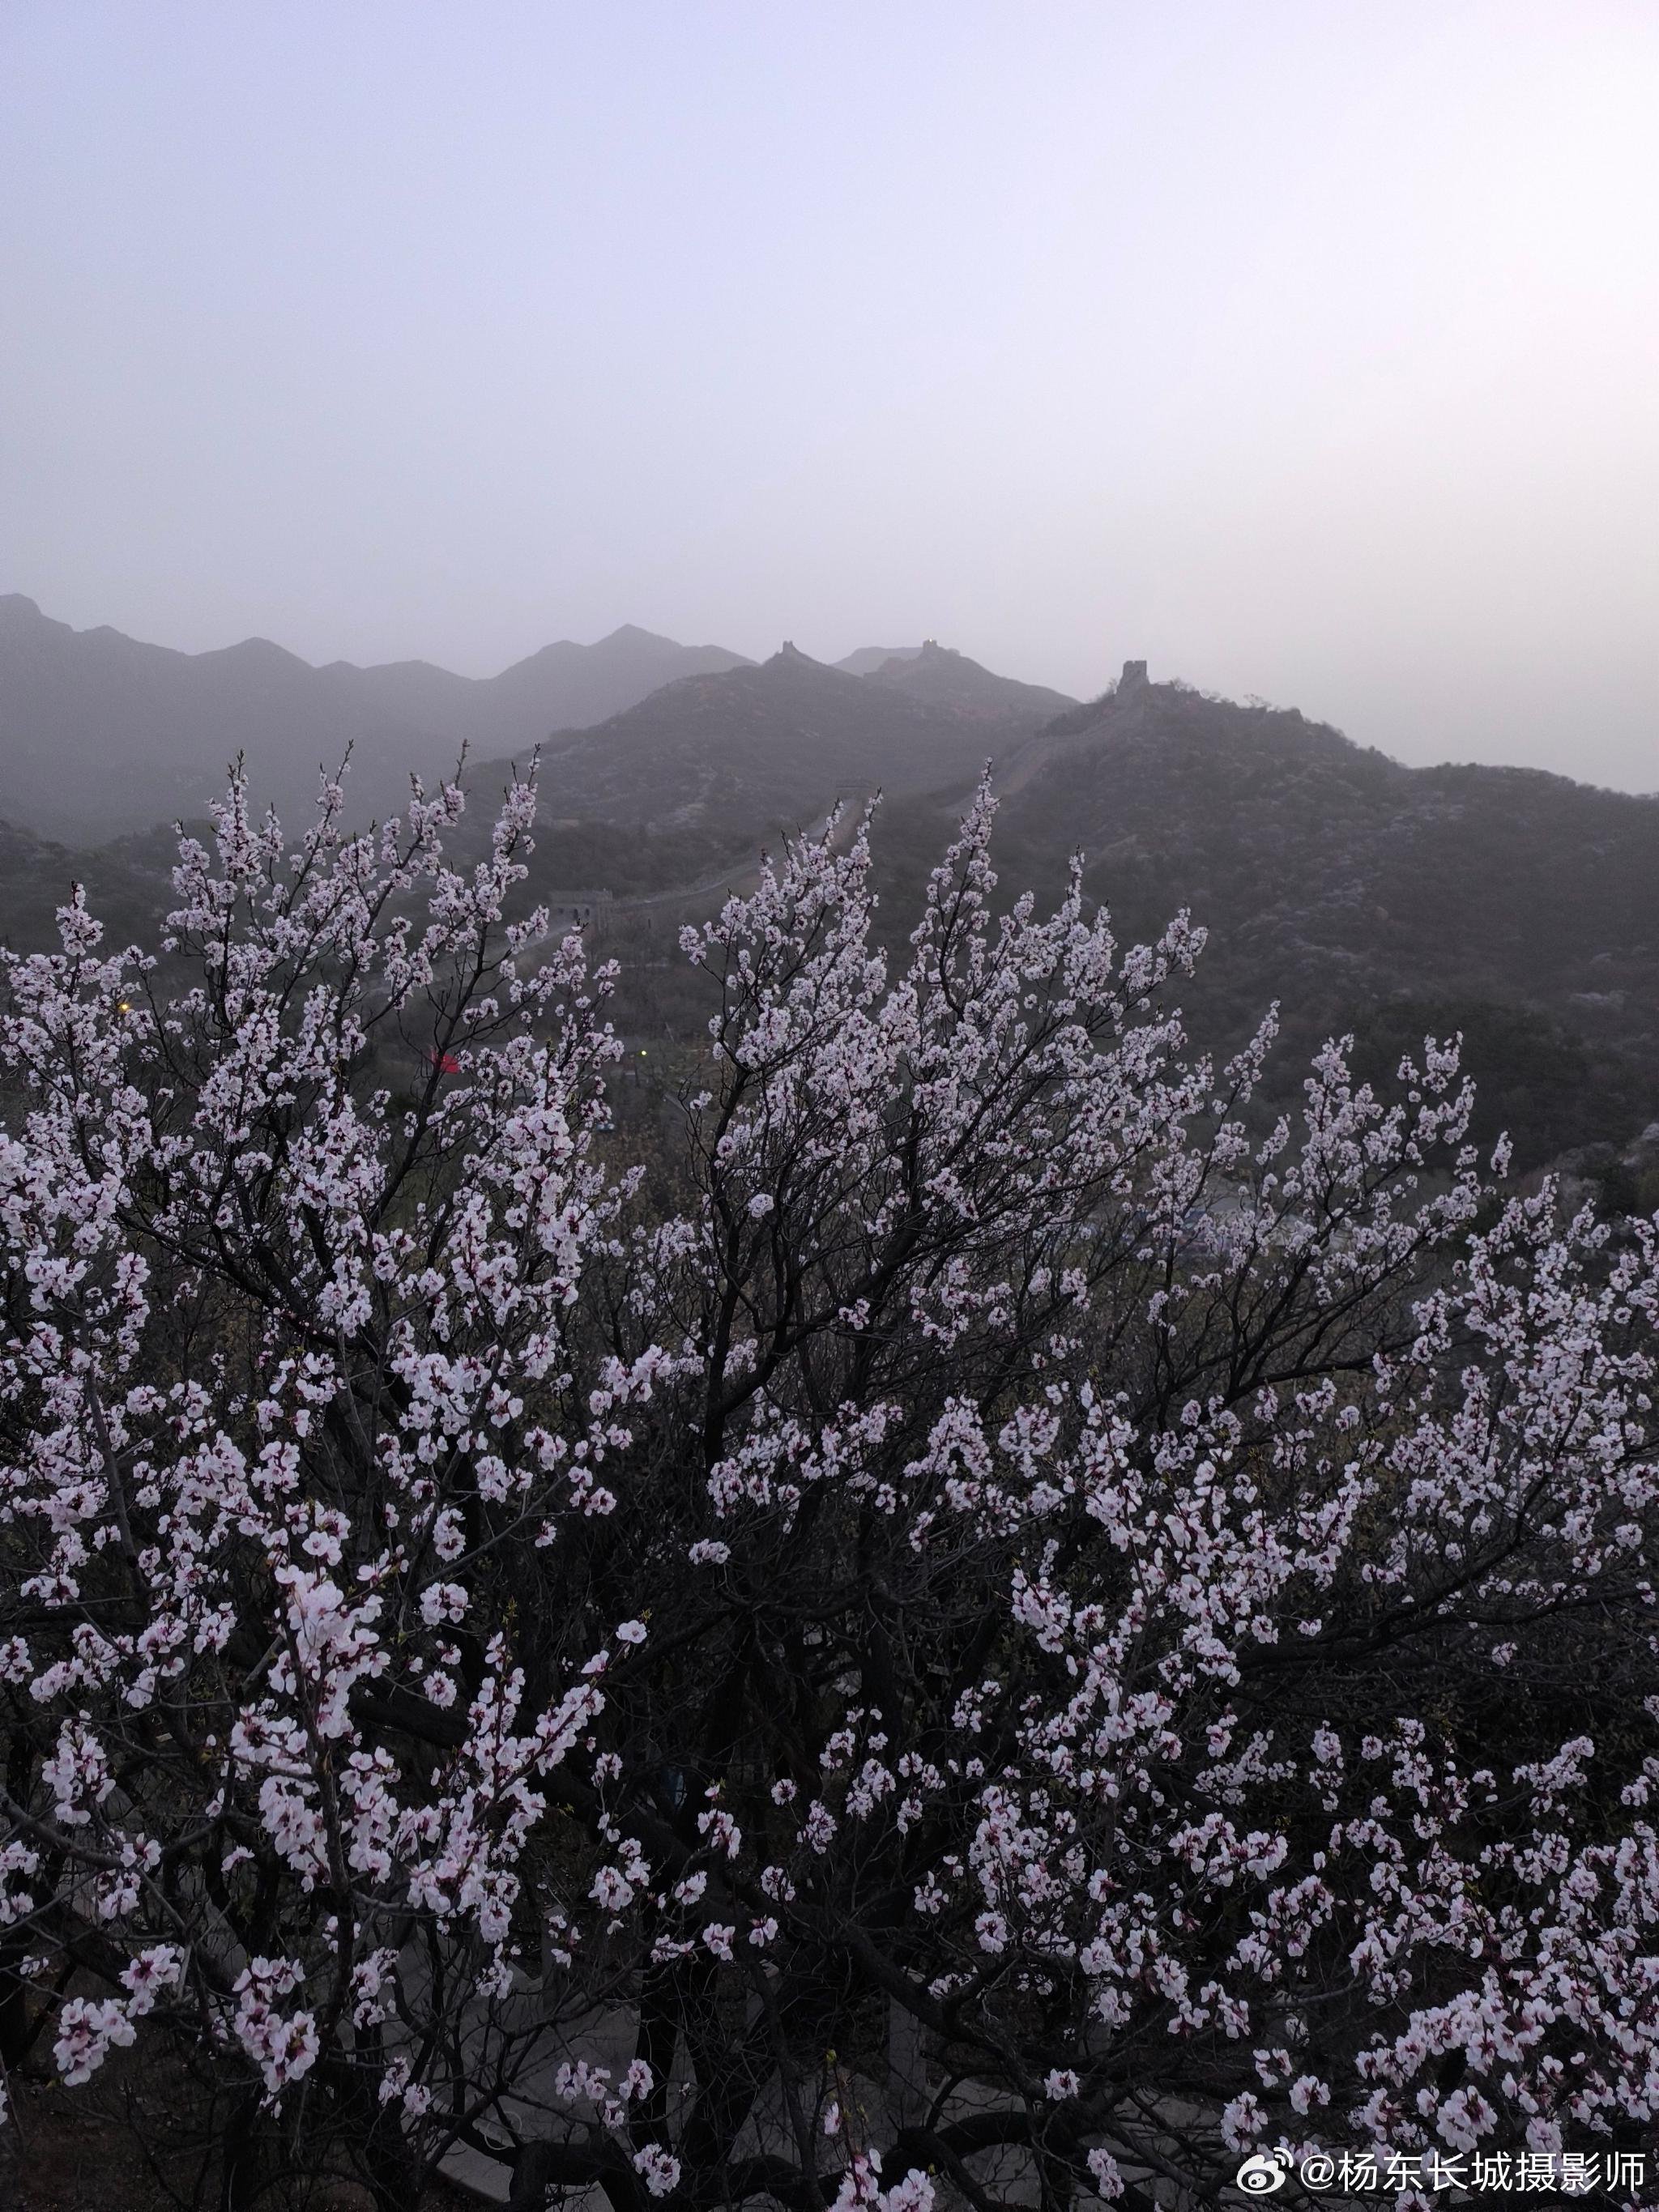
(1261, 2175)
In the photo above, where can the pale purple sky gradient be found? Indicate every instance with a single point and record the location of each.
(1310, 350)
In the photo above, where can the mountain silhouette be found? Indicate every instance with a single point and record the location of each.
(1516, 906)
(100, 734)
(940, 677)
(770, 744)
(871, 657)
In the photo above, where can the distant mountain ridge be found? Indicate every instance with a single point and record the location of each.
(939, 676)
(773, 744)
(1516, 906)
(868, 658)
(100, 734)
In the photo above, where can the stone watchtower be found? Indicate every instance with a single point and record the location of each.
(1134, 678)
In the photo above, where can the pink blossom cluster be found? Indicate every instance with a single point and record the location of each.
(1147, 1593)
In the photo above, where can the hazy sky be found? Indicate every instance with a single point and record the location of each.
(1310, 350)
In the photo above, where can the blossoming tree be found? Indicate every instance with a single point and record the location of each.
(1045, 1631)
(267, 1336)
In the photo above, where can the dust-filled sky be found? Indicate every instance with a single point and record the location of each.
(1310, 350)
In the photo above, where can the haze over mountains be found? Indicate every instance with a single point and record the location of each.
(935, 676)
(100, 734)
(1516, 905)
